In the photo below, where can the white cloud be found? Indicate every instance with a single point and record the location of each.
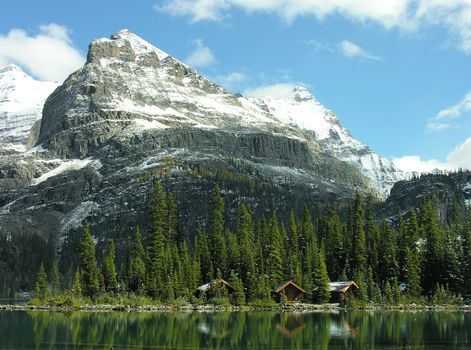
(48, 55)
(407, 15)
(352, 50)
(460, 157)
(201, 57)
(444, 118)
(280, 90)
(416, 164)
(231, 80)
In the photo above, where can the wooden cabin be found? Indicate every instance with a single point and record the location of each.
(290, 290)
(340, 291)
(210, 289)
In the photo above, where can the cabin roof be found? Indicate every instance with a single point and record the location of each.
(214, 283)
(285, 284)
(341, 287)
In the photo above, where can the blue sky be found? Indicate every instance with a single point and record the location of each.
(396, 72)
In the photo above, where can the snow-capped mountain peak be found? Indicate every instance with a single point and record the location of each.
(21, 102)
(139, 45)
(302, 110)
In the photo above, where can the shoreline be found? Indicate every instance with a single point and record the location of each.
(215, 308)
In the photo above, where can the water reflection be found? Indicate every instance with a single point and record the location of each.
(252, 330)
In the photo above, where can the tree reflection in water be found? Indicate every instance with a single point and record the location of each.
(241, 330)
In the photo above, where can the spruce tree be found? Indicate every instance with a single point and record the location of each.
(321, 281)
(54, 278)
(389, 267)
(388, 293)
(238, 297)
(88, 266)
(203, 255)
(432, 256)
(156, 251)
(109, 269)
(247, 252)
(334, 246)
(41, 289)
(411, 268)
(77, 284)
(275, 262)
(217, 242)
(172, 219)
(358, 248)
(466, 265)
(137, 268)
(293, 248)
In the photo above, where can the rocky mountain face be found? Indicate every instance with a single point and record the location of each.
(21, 103)
(452, 193)
(134, 115)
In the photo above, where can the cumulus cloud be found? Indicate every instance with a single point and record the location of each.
(407, 15)
(460, 157)
(201, 57)
(444, 118)
(48, 55)
(352, 50)
(280, 90)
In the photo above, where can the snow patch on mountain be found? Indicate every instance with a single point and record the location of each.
(21, 102)
(63, 167)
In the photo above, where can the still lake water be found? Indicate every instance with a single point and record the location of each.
(236, 330)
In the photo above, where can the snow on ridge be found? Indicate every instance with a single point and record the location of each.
(149, 124)
(63, 167)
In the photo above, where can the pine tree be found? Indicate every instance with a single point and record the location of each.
(372, 236)
(238, 297)
(358, 248)
(411, 268)
(217, 242)
(54, 278)
(41, 289)
(172, 219)
(109, 270)
(334, 246)
(247, 254)
(77, 284)
(156, 253)
(294, 265)
(88, 266)
(389, 268)
(320, 279)
(432, 256)
(396, 292)
(275, 262)
(466, 265)
(137, 268)
(203, 255)
(388, 293)
(233, 251)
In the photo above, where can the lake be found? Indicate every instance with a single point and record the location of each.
(235, 330)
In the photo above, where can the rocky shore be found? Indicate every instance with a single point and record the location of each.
(216, 308)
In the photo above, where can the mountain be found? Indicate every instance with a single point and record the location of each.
(21, 102)
(302, 110)
(133, 115)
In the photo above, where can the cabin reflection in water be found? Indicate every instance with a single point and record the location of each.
(290, 325)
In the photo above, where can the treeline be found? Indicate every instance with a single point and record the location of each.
(414, 258)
